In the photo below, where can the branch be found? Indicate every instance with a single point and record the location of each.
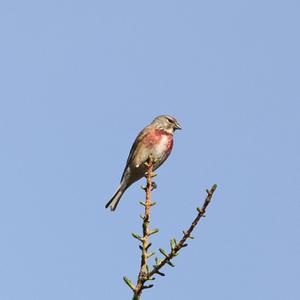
(145, 245)
(145, 274)
(176, 247)
(144, 269)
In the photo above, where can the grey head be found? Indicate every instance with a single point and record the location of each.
(166, 123)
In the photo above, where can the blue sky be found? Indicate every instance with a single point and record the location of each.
(79, 79)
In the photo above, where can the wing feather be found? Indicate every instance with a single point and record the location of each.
(135, 147)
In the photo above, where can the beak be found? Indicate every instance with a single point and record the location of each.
(177, 126)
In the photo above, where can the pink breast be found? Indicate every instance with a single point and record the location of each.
(163, 140)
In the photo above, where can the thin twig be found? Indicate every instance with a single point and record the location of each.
(186, 234)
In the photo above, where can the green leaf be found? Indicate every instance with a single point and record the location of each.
(148, 246)
(148, 286)
(160, 273)
(154, 185)
(129, 283)
(154, 231)
(136, 236)
(170, 264)
(157, 261)
(172, 244)
(151, 254)
(162, 251)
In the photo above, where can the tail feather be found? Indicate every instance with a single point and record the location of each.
(114, 201)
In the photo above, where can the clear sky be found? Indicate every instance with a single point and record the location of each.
(79, 79)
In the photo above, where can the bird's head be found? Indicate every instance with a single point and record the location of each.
(166, 123)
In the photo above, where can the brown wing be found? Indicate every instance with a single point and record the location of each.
(134, 148)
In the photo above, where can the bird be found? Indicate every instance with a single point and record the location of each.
(155, 140)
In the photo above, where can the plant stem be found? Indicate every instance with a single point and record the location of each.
(143, 274)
